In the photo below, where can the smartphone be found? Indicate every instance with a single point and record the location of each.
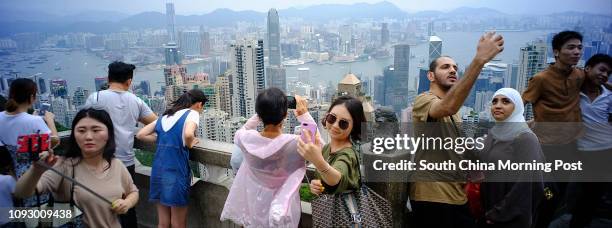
(44, 108)
(310, 127)
(291, 103)
(29, 146)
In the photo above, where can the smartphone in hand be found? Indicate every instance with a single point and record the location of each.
(291, 102)
(310, 127)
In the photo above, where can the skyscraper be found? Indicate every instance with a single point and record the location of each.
(276, 77)
(384, 34)
(170, 22)
(430, 28)
(401, 63)
(247, 76)
(274, 51)
(190, 42)
(532, 60)
(173, 76)
(435, 48)
(223, 91)
(79, 97)
(401, 82)
(101, 83)
(59, 88)
(42, 86)
(423, 80)
(204, 42)
(172, 54)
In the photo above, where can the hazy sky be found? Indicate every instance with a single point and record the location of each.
(203, 6)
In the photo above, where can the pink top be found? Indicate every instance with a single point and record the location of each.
(265, 192)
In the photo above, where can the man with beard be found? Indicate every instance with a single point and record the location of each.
(437, 198)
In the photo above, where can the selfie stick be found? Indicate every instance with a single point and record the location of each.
(75, 182)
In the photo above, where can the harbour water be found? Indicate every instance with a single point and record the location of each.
(80, 68)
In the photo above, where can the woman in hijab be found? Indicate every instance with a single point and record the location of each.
(510, 198)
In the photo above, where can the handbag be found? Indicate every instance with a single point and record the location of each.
(359, 208)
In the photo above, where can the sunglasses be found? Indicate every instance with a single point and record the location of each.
(331, 118)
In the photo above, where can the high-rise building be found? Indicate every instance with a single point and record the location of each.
(42, 86)
(59, 88)
(79, 97)
(212, 124)
(303, 75)
(379, 90)
(401, 64)
(170, 22)
(173, 76)
(172, 54)
(274, 52)
(532, 59)
(223, 93)
(511, 80)
(101, 83)
(384, 34)
(430, 28)
(145, 88)
(190, 43)
(423, 80)
(247, 76)
(276, 77)
(204, 42)
(435, 48)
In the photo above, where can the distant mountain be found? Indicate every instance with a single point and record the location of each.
(428, 13)
(336, 11)
(40, 16)
(106, 21)
(469, 11)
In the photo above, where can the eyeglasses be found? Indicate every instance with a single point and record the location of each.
(331, 118)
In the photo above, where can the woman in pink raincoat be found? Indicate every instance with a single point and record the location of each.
(265, 192)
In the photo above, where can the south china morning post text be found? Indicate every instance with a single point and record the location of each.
(468, 165)
(459, 145)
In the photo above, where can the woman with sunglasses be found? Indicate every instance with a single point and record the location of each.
(336, 163)
(265, 192)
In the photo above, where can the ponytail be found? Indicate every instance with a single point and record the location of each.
(186, 100)
(11, 105)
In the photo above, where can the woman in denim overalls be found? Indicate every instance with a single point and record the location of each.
(170, 175)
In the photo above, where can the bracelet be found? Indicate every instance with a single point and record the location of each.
(325, 170)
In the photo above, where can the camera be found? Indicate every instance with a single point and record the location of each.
(291, 103)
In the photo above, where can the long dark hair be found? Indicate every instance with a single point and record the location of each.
(20, 92)
(186, 100)
(74, 151)
(355, 108)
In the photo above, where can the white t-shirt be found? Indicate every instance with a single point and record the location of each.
(169, 121)
(125, 109)
(13, 126)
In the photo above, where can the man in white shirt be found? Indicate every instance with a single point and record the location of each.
(126, 110)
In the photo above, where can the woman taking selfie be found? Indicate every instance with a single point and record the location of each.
(90, 159)
(336, 163)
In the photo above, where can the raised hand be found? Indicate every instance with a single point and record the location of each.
(489, 45)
